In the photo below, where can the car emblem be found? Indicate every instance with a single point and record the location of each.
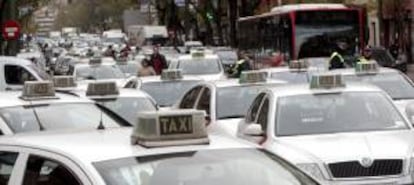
(366, 162)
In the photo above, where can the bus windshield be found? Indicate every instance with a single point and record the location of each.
(318, 33)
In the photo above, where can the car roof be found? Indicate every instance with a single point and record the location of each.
(300, 89)
(158, 79)
(235, 82)
(189, 57)
(123, 92)
(351, 71)
(12, 99)
(111, 143)
(14, 60)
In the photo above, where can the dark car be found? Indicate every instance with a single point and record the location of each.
(385, 59)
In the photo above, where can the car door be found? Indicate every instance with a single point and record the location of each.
(36, 167)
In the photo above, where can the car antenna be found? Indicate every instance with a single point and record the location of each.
(101, 125)
(41, 127)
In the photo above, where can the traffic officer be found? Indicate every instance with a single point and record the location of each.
(336, 60)
(366, 57)
(243, 64)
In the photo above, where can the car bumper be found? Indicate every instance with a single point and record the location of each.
(401, 180)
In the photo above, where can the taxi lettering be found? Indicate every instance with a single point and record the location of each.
(176, 125)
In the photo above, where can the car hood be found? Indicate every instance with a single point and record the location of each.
(349, 146)
(212, 77)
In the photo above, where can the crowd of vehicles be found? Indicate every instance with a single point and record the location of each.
(89, 119)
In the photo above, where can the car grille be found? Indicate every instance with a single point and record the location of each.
(352, 169)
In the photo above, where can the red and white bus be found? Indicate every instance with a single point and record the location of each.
(304, 30)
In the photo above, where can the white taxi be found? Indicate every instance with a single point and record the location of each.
(167, 88)
(297, 72)
(338, 133)
(201, 64)
(394, 82)
(226, 101)
(39, 108)
(122, 103)
(96, 70)
(164, 148)
(15, 71)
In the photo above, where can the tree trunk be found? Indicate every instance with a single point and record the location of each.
(232, 4)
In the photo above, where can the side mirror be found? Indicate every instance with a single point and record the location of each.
(254, 130)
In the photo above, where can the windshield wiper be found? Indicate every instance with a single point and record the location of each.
(231, 117)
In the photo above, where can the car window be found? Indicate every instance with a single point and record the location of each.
(200, 66)
(204, 101)
(41, 171)
(337, 113)
(190, 97)
(7, 161)
(203, 167)
(166, 93)
(254, 108)
(55, 117)
(17, 75)
(128, 107)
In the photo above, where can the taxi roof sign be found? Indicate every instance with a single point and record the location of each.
(253, 77)
(35, 90)
(369, 67)
(170, 128)
(326, 81)
(298, 64)
(64, 81)
(95, 61)
(198, 54)
(102, 89)
(171, 74)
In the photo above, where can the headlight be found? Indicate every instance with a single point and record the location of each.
(312, 169)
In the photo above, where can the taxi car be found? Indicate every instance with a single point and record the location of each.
(97, 69)
(129, 67)
(167, 88)
(125, 103)
(338, 133)
(15, 71)
(395, 83)
(204, 65)
(173, 149)
(298, 71)
(39, 108)
(226, 101)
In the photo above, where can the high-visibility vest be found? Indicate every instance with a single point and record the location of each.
(336, 54)
(362, 60)
(238, 63)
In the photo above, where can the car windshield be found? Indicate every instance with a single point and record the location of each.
(228, 57)
(199, 66)
(129, 69)
(229, 104)
(335, 113)
(291, 77)
(395, 84)
(55, 117)
(166, 93)
(98, 72)
(225, 166)
(128, 108)
(42, 74)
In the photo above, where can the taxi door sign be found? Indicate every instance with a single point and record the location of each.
(171, 125)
